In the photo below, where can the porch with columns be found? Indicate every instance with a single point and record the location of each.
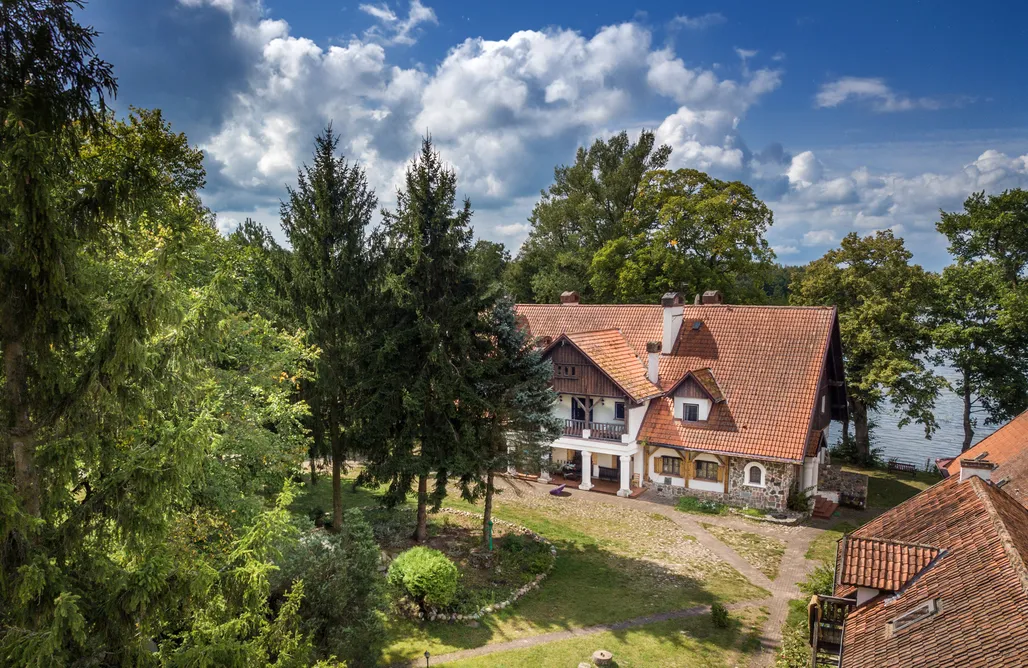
(624, 479)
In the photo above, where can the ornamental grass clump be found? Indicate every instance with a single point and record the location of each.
(425, 576)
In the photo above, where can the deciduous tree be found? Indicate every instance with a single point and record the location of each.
(884, 302)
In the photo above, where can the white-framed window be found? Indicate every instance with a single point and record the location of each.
(754, 475)
(619, 410)
(691, 412)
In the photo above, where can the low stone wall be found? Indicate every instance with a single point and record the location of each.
(851, 487)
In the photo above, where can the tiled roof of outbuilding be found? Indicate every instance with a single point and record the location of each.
(881, 564)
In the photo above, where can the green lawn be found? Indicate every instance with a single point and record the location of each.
(612, 564)
(823, 547)
(887, 489)
(764, 554)
(685, 643)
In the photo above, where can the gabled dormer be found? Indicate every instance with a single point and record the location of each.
(695, 395)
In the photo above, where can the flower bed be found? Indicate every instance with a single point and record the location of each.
(525, 563)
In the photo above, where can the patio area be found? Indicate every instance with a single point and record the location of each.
(601, 486)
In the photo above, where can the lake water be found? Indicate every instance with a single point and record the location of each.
(909, 443)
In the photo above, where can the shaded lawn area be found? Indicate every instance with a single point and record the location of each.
(887, 489)
(597, 579)
(764, 554)
(823, 547)
(589, 585)
(685, 643)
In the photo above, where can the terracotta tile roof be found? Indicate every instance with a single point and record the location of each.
(638, 323)
(817, 438)
(767, 362)
(705, 377)
(980, 581)
(610, 352)
(881, 564)
(1007, 447)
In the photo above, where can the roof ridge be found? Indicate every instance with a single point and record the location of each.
(897, 542)
(984, 491)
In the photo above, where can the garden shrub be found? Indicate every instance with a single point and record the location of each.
(821, 581)
(521, 553)
(343, 593)
(719, 615)
(426, 576)
(799, 500)
(691, 504)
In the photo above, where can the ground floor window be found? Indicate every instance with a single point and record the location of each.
(706, 471)
(754, 474)
(671, 466)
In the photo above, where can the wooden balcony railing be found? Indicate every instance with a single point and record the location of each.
(827, 623)
(608, 431)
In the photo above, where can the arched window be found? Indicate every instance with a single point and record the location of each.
(754, 475)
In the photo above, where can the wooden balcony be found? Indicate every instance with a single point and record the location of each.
(827, 623)
(605, 431)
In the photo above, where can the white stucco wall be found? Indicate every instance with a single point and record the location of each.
(603, 409)
(704, 404)
(654, 466)
(707, 485)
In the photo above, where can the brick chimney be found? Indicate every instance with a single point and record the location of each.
(569, 298)
(672, 303)
(713, 297)
(653, 361)
(981, 468)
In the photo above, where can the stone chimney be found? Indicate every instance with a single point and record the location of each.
(713, 297)
(981, 468)
(672, 303)
(569, 298)
(653, 361)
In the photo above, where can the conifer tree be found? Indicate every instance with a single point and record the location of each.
(431, 346)
(331, 274)
(518, 424)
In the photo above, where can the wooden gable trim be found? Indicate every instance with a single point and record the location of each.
(565, 337)
(690, 374)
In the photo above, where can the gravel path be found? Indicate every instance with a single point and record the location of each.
(554, 636)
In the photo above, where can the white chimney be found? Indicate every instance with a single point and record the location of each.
(970, 468)
(672, 303)
(653, 361)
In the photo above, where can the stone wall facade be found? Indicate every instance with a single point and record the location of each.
(851, 487)
(779, 480)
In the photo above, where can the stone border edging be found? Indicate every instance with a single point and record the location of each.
(454, 617)
(765, 518)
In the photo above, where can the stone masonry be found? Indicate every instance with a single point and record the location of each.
(779, 480)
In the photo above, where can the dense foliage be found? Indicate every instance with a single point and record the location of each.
(426, 576)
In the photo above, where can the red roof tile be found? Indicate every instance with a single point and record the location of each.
(767, 362)
(980, 581)
(610, 353)
(881, 564)
(1007, 447)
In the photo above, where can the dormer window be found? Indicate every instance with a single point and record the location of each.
(691, 412)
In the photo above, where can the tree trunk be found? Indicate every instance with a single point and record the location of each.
(317, 431)
(861, 432)
(337, 469)
(22, 431)
(968, 431)
(487, 512)
(421, 531)
(846, 429)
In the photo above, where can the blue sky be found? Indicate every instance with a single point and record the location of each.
(840, 118)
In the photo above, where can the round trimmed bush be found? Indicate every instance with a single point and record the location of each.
(426, 576)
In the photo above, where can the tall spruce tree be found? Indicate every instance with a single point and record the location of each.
(431, 345)
(518, 424)
(332, 272)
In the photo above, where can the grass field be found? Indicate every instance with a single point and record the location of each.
(886, 489)
(822, 548)
(764, 554)
(612, 564)
(686, 643)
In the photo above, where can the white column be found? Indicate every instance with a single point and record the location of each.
(640, 465)
(626, 476)
(587, 470)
